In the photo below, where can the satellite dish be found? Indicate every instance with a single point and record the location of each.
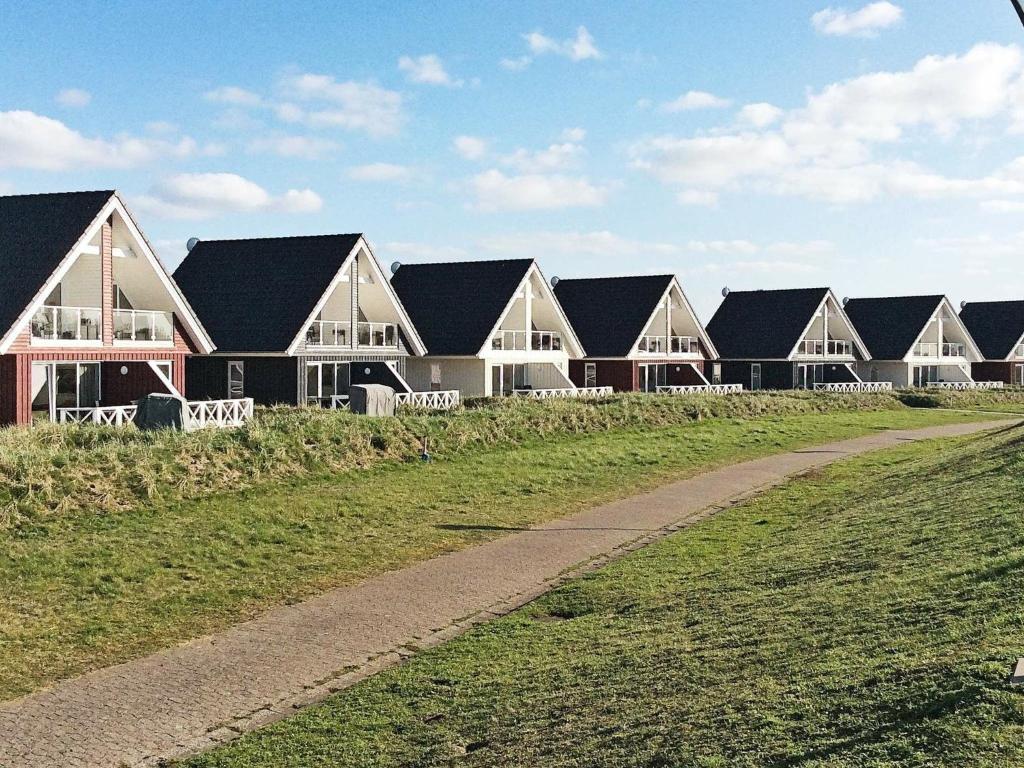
(192, 243)
(394, 266)
(725, 291)
(846, 300)
(963, 305)
(554, 280)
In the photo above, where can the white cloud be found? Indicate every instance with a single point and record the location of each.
(233, 95)
(574, 134)
(864, 22)
(470, 147)
(517, 64)
(385, 172)
(203, 195)
(74, 98)
(760, 115)
(428, 70)
(578, 48)
(305, 147)
(556, 157)
(28, 140)
(825, 149)
(497, 192)
(1003, 206)
(692, 100)
(703, 197)
(351, 105)
(424, 251)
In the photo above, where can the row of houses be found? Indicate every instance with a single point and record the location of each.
(91, 320)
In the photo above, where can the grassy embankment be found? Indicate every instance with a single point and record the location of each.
(1009, 400)
(867, 615)
(94, 573)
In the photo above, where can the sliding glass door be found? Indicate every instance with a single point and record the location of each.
(64, 385)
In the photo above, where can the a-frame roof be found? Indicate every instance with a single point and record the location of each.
(36, 233)
(256, 295)
(763, 325)
(891, 325)
(996, 326)
(456, 305)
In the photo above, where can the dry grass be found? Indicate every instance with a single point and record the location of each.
(51, 470)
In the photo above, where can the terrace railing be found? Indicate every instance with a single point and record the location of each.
(854, 386)
(143, 325)
(442, 400)
(509, 341)
(954, 349)
(52, 323)
(701, 389)
(545, 341)
(549, 394)
(200, 413)
(964, 385)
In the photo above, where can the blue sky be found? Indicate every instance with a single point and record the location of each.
(870, 146)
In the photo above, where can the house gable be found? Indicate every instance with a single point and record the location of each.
(77, 271)
(822, 325)
(665, 320)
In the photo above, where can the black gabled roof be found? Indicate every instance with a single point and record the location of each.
(256, 295)
(36, 233)
(890, 325)
(455, 305)
(763, 325)
(996, 326)
(609, 313)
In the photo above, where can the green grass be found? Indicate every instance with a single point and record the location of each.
(866, 615)
(82, 591)
(1008, 400)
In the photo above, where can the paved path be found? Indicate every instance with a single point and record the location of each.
(208, 691)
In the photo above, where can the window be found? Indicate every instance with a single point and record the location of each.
(65, 385)
(755, 376)
(653, 376)
(716, 373)
(327, 380)
(236, 379)
(435, 377)
(925, 374)
(590, 374)
(1018, 375)
(809, 375)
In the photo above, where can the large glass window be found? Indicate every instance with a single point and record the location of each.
(325, 380)
(65, 385)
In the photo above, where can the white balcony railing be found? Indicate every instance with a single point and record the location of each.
(964, 385)
(933, 348)
(545, 341)
(701, 389)
(540, 341)
(836, 347)
(665, 345)
(853, 386)
(549, 394)
(338, 333)
(67, 324)
(954, 349)
(442, 400)
(143, 325)
(201, 413)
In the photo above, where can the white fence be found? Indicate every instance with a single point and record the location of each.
(444, 400)
(962, 385)
(201, 413)
(702, 389)
(549, 394)
(854, 386)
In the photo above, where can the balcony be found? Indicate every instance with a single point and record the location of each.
(932, 349)
(669, 345)
(337, 333)
(67, 324)
(540, 341)
(143, 325)
(819, 347)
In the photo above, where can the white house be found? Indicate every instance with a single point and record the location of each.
(490, 328)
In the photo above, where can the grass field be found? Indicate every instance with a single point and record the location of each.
(83, 591)
(1008, 400)
(867, 615)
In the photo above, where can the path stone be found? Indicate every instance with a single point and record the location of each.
(208, 691)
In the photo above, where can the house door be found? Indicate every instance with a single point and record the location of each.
(236, 379)
(1018, 375)
(65, 385)
(755, 376)
(924, 374)
(496, 380)
(653, 376)
(809, 375)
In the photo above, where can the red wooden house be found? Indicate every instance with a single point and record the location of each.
(640, 333)
(89, 315)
